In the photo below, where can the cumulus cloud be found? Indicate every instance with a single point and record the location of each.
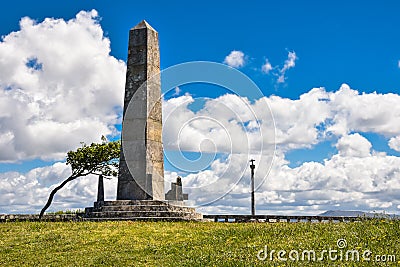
(357, 177)
(354, 145)
(394, 143)
(229, 122)
(361, 112)
(299, 123)
(53, 90)
(236, 59)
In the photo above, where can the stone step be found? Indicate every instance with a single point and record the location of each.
(144, 208)
(123, 214)
(140, 210)
(133, 202)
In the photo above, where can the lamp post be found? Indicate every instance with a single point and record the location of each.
(253, 208)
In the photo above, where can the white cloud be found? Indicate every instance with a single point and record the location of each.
(61, 97)
(235, 59)
(267, 67)
(177, 91)
(296, 121)
(394, 143)
(290, 62)
(229, 122)
(354, 145)
(278, 71)
(373, 112)
(398, 63)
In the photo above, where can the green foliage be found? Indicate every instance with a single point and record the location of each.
(99, 159)
(127, 243)
(95, 159)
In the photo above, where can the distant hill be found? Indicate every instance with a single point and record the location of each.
(355, 213)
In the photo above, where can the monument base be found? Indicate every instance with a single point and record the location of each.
(141, 210)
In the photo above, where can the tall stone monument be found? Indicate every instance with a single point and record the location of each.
(141, 172)
(140, 191)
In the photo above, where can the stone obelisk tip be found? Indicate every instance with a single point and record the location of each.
(142, 25)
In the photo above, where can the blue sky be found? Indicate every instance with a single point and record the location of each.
(355, 42)
(332, 43)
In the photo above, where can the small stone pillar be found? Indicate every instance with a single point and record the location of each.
(100, 189)
(176, 192)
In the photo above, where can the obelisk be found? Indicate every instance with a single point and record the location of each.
(141, 171)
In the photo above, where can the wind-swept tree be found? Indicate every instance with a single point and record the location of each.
(97, 159)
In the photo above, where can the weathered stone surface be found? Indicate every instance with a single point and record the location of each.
(176, 192)
(140, 210)
(100, 189)
(154, 130)
(141, 174)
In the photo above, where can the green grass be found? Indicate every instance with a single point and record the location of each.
(187, 243)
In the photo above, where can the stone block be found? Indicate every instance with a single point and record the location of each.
(138, 37)
(134, 150)
(137, 110)
(154, 131)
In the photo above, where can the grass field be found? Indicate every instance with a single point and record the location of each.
(193, 243)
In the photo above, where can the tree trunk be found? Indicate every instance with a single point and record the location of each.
(72, 177)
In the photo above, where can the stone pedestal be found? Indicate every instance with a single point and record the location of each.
(139, 210)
